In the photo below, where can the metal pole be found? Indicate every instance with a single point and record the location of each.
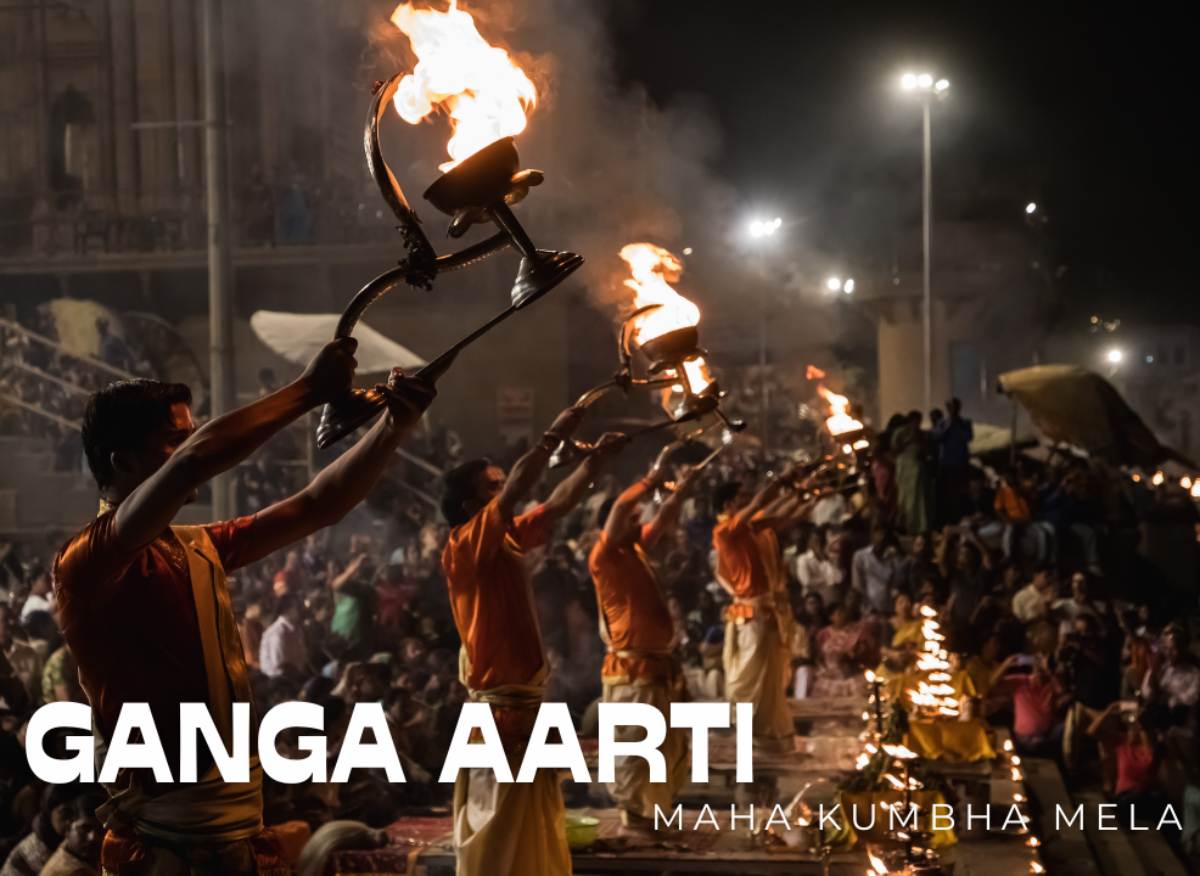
(220, 267)
(762, 373)
(927, 246)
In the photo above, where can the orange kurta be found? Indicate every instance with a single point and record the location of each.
(491, 599)
(747, 563)
(503, 827)
(640, 632)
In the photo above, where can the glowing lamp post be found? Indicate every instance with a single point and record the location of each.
(929, 88)
(758, 229)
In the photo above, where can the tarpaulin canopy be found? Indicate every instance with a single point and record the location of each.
(298, 337)
(1072, 405)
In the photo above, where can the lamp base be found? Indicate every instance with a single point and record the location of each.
(340, 418)
(541, 273)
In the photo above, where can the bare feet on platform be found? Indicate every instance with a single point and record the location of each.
(636, 828)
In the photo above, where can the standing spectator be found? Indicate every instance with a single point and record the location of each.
(913, 477)
(953, 435)
(112, 348)
(351, 606)
(259, 204)
(295, 210)
(875, 571)
(283, 646)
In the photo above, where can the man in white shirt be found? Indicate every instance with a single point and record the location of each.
(1177, 684)
(1033, 601)
(820, 573)
(40, 598)
(875, 570)
(283, 645)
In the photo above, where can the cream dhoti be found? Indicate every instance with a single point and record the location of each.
(758, 664)
(632, 791)
(510, 828)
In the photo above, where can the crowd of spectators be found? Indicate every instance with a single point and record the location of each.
(43, 388)
(1054, 640)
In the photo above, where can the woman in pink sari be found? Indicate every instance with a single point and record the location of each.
(837, 670)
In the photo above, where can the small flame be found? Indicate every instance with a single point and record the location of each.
(840, 421)
(477, 84)
(812, 372)
(877, 865)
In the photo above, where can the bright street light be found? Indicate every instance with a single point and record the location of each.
(1031, 208)
(837, 284)
(1114, 356)
(764, 227)
(924, 82)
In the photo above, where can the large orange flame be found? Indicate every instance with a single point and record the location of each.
(652, 270)
(485, 94)
(839, 422)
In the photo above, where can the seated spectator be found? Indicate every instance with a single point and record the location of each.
(904, 625)
(969, 577)
(49, 825)
(1037, 701)
(79, 852)
(837, 646)
(1175, 687)
(1080, 602)
(40, 597)
(283, 649)
(918, 565)
(292, 577)
(818, 572)
(1033, 601)
(1130, 753)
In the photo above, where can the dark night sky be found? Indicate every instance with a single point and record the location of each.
(1092, 106)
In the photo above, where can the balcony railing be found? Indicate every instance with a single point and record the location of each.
(68, 223)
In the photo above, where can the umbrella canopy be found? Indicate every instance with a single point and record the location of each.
(298, 337)
(1072, 405)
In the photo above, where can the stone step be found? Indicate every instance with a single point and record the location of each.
(1112, 847)
(1065, 850)
(1129, 851)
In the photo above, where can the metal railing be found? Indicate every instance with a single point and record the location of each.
(334, 213)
